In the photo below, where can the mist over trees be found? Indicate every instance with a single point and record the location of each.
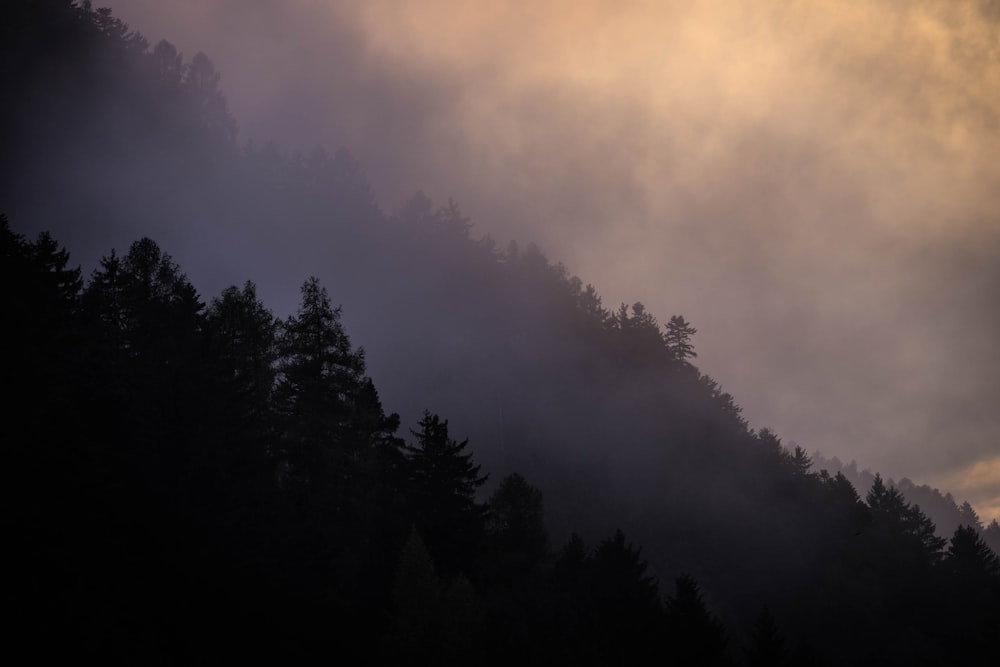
(507, 469)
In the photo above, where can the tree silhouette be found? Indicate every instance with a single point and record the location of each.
(969, 560)
(695, 635)
(244, 332)
(416, 602)
(678, 337)
(800, 461)
(516, 523)
(319, 375)
(442, 489)
(768, 648)
(973, 603)
(968, 516)
(626, 599)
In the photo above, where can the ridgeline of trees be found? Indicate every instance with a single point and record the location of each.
(203, 479)
(197, 481)
(941, 508)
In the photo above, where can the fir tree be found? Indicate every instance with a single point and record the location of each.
(442, 488)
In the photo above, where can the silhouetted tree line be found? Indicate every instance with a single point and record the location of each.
(198, 481)
(201, 480)
(941, 507)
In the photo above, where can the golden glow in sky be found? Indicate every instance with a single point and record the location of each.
(813, 184)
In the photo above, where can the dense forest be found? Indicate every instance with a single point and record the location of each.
(505, 470)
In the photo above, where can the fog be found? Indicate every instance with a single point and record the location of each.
(814, 187)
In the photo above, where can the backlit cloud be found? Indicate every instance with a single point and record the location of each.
(814, 185)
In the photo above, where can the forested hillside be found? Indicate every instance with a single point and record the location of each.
(440, 448)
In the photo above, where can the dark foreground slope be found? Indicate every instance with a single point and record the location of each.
(196, 477)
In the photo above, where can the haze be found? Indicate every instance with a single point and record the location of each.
(813, 185)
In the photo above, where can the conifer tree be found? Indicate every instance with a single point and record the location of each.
(696, 636)
(969, 517)
(626, 598)
(319, 377)
(414, 621)
(768, 648)
(800, 461)
(969, 560)
(442, 489)
(678, 336)
(243, 339)
(244, 334)
(516, 522)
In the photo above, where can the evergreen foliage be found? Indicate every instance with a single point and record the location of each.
(442, 488)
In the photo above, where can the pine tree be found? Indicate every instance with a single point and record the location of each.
(969, 560)
(800, 461)
(768, 649)
(243, 342)
(414, 622)
(319, 378)
(145, 328)
(991, 535)
(696, 636)
(968, 516)
(442, 489)
(244, 335)
(678, 336)
(972, 572)
(626, 598)
(516, 523)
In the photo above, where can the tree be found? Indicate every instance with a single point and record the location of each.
(416, 603)
(442, 489)
(696, 636)
(678, 336)
(41, 296)
(244, 334)
(429, 621)
(969, 559)
(571, 600)
(968, 516)
(144, 303)
(451, 221)
(991, 535)
(901, 547)
(626, 598)
(589, 302)
(770, 446)
(516, 522)
(418, 210)
(144, 325)
(800, 461)
(201, 81)
(168, 64)
(639, 337)
(319, 377)
(973, 577)
(768, 648)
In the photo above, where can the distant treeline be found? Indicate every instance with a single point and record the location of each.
(941, 508)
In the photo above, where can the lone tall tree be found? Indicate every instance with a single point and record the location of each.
(678, 336)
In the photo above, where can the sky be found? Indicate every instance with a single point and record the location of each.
(814, 185)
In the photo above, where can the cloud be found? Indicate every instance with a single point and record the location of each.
(814, 185)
